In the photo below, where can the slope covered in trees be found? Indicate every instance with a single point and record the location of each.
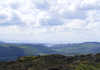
(54, 62)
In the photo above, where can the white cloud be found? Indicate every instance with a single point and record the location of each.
(90, 1)
(76, 24)
(5, 15)
(47, 19)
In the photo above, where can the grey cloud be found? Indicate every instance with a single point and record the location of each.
(14, 6)
(2, 17)
(75, 15)
(43, 6)
(52, 21)
(14, 21)
(90, 7)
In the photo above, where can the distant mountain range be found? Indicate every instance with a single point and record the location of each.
(77, 48)
(10, 51)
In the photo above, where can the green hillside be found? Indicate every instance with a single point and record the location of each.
(77, 48)
(54, 62)
(12, 51)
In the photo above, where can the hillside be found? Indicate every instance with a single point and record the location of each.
(11, 51)
(77, 48)
(54, 62)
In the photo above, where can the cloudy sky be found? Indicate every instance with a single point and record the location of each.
(50, 21)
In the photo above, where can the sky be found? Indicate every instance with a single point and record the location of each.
(49, 21)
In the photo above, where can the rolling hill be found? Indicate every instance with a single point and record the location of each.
(77, 48)
(54, 62)
(11, 51)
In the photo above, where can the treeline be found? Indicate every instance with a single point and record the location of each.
(54, 62)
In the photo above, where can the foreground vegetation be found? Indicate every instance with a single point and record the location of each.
(54, 62)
